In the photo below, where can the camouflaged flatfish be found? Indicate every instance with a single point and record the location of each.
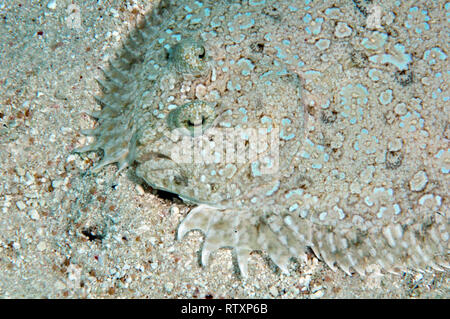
(290, 125)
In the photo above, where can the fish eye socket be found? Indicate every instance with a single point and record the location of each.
(189, 57)
(193, 118)
(202, 53)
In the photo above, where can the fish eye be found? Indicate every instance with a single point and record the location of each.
(193, 117)
(189, 57)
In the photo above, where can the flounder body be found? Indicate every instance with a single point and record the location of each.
(283, 139)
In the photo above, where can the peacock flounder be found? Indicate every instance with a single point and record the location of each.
(276, 120)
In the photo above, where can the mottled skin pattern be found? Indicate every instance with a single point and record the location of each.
(321, 159)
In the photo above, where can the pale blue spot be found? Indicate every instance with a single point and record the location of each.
(377, 190)
(230, 86)
(256, 3)
(177, 37)
(323, 44)
(307, 140)
(304, 154)
(372, 74)
(401, 63)
(297, 191)
(307, 18)
(439, 154)
(215, 22)
(380, 39)
(326, 105)
(266, 119)
(274, 189)
(280, 53)
(286, 137)
(269, 162)
(266, 74)
(386, 97)
(331, 11)
(249, 25)
(255, 169)
(368, 201)
(247, 62)
(381, 211)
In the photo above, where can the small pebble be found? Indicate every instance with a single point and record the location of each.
(20, 171)
(318, 294)
(41, 246)
(395, 145)
(152, 241)
(273, 291)
(419, 181)
(71, 158)
(65, 129)
(57, 183)
(168, 287)
(34, 215)
(171, 249)
(51, 5)
(21, 205)
(140, 190)
(342, 30)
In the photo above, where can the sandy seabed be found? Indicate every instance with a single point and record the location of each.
(65, 233)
